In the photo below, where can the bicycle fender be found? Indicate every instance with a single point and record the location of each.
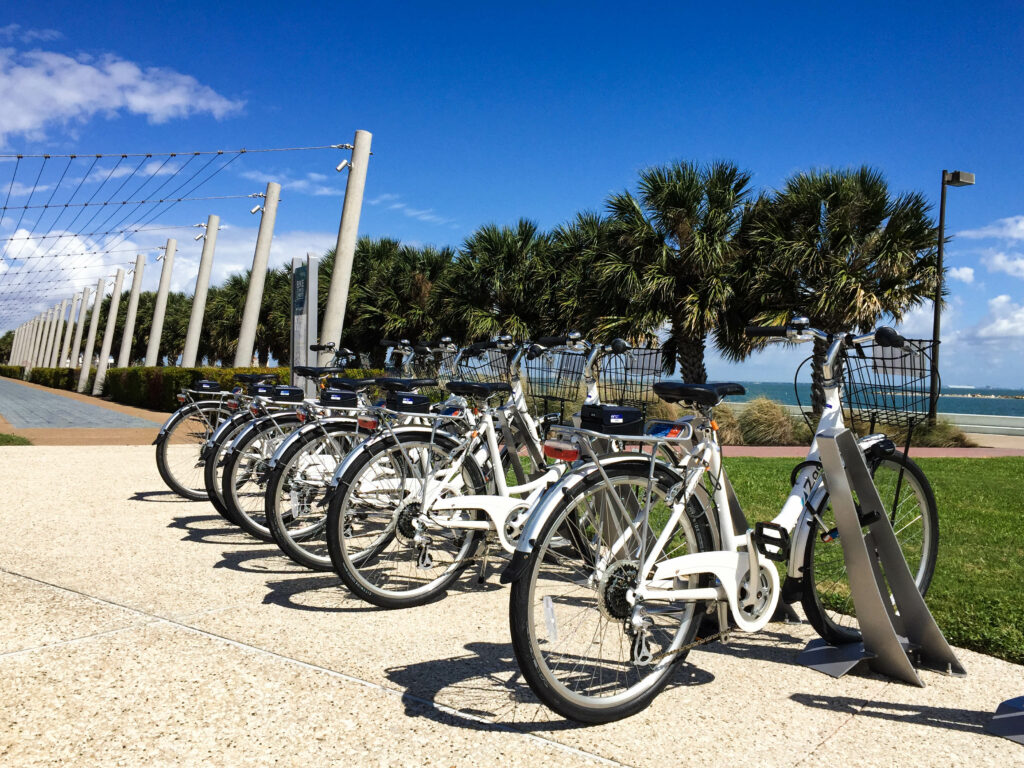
(316, 426)
(548, 505)
(258, 425)
(180, 414)
(377, 443)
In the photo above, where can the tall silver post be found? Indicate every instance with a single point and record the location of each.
(90, 343)
(37, 337)
(108, 333)
(43, 358)
(160, 307)
(76, 345)
(345, 250)
(58, 334)
(124, 356)
(195, 323)
(258, 277)
(69, 331)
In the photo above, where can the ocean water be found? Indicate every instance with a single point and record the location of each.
(990, 401)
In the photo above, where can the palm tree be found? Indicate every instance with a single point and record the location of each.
(498, 284)
(671, 256)
(577, 302)
(838, 248)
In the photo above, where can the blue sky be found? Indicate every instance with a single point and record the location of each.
(484, 115)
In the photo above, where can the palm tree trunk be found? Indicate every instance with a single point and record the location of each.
(817, 377)
(690, 356)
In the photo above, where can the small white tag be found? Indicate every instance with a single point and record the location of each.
(549, 619)
(615, 418)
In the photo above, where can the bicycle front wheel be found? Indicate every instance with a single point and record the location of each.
(826, 597)
(572, 622)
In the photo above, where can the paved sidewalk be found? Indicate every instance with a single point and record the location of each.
(140, 629)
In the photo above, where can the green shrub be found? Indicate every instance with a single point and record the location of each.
(11, 371)
(766, 422)
(942, 435)
(61, 378)
(729, 432)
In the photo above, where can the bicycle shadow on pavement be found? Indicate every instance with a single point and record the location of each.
(220, 532)
(947, 718)
(776, 646)
(166, 497)
(266, 559)
(486, 686)
(319, 593)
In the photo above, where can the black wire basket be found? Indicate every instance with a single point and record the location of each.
(887, 385)
(626, 379)
(555, 374)
(485, 366)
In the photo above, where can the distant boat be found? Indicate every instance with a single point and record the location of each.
(961, 386)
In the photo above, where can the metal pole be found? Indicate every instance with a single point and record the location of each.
(66, 346)
(937, 309)
(258, 277)
(108, 333)
(124, 357)
(58, 336)
(37, 341)
(160, 307)
(195, 323)
(312, 284)
(90, 342)
(30, 349)
(76, 345)
(43, 358)
(345, 249)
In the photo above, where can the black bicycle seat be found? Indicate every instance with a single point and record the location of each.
(477, 389)
(253, 378)
(708, 395)
(312, 372)
(403, 385)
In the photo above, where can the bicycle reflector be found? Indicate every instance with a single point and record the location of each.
(232, 405)
(368, 422)
(561, 450)
(181, 397)
(254, 409)
(301, 414)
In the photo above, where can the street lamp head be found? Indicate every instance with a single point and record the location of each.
(960, 179)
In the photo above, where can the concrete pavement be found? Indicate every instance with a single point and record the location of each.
(140, 628)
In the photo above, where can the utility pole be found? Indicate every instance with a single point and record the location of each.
(43, 360)
(124, 356)
(65, 349)
(160, 307)
(90, 343)
(37, 336)
(258, 277)
(76, 345)
(345, 249)
(195, 323)
(108, 333)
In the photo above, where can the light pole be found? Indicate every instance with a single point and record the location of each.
(954, 179)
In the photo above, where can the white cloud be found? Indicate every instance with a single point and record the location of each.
(1010, 263)
(310, 184)
(16, 32)
(1011, 228)
(385, 198)
(420, 214)
(1005, 319)
(39, 89)
(963, 274)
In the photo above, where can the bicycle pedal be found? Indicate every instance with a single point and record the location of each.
(772, 535)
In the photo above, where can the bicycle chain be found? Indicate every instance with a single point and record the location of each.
(699, 641)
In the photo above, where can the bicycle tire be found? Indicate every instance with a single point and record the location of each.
(212, 468)
(379, 554)
(825, 595)
(564, 543)
(172, 470)
(244, 468)
(306, 545)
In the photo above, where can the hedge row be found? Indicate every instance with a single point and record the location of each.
(11, 371)
(61, 378)
(157, 388)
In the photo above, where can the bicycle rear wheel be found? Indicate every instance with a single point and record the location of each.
(826, 597)
(294, 503)
(178, 451)
(570, 617)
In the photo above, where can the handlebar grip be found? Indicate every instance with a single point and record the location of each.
(534, 351)
(321, 347)
(888, 337)
(422, 349)
(766, 330)
(552, 341)
(620, 345)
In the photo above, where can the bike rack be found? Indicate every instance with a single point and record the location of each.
(899, 631)
(1008, 720)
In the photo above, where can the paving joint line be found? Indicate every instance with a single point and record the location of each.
(403, 695)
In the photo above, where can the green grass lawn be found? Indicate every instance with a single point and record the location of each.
(976, 595)
(13, 440)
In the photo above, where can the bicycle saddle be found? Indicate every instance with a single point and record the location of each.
(336, 382)
(403, 385)
(312, 372)
(702, 394)
(253, 378)
(477, 389)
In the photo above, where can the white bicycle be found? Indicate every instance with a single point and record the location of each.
(626, 554)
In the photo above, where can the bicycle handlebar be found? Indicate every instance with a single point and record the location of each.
(779, 331)
(322, 347)
(619, 346)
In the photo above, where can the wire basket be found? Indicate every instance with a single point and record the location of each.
(420, 366)
(555, 374)
(627, 379)
(488, 365)
(887, 385)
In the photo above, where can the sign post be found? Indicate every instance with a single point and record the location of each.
(304, 317)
